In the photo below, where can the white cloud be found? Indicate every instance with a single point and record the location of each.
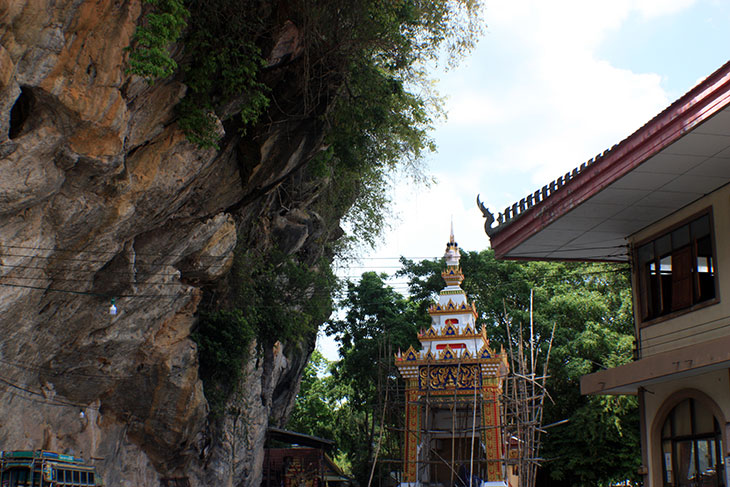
(534, 101)
(554, 103)
(656, 8)
(471, 108)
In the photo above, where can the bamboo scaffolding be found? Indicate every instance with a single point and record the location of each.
(521, 407)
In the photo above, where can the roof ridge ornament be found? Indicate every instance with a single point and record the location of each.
(490, 219)
(517, 209)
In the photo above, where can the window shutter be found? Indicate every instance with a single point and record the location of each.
(682, 278)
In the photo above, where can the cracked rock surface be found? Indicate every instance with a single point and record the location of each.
(102, 196)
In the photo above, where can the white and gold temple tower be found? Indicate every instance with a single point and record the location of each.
(453, 389)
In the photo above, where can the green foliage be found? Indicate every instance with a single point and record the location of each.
(379, 124)
(316, 407)
(225, 61)
(223, 339)
(378, 321)
(198, 123)
(283, 299)
(591, 306)
(225, 68)
(162, 26)
(276, 298)
(344, 404)
(361, 69)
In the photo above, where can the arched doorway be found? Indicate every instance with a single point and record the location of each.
(691, 444)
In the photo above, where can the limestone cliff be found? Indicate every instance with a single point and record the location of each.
(101, 195)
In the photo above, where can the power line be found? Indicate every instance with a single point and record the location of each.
(93, 261)
(98, 252)
(39, 368)
(45, 400)
(88, 293)
(69, 279)
(70, 269)
(145, 296)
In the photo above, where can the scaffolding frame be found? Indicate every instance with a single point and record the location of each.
(521, 398)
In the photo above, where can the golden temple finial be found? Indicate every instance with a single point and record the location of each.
(452, 255)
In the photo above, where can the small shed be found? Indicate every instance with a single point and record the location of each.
(297, 460)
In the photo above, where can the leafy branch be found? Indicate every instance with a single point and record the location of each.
(150, 57)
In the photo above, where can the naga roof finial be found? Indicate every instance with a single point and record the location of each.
(489, 216)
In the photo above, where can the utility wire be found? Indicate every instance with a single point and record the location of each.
(87, 293)
(92, 261)
(50, 270)
(69, 279)
(97, 252)
(39, 368)
(51, 402)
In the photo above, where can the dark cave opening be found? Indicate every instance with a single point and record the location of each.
(20, 112)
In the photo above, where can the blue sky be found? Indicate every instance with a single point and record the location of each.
(550, 85)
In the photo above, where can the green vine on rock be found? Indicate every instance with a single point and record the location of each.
(198, 123)
(150, 58)
(275, 298)
(223, 339)
(222, 62)
(225, 72)
(224, 68)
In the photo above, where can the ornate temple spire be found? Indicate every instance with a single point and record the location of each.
(452, 275)
(452, 254)
(453, 364)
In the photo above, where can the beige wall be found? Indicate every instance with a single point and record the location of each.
(711, 387)
(708, 322)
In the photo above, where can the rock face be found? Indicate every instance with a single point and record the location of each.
(102, 196)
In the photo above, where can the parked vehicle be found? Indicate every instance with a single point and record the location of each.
(42, 468)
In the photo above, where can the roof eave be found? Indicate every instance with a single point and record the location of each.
(696, 106)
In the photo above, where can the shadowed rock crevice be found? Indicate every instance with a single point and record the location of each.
(102, 196)
(20, 112)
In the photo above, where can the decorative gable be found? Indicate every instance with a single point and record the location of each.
(447, 354)
(411, 354)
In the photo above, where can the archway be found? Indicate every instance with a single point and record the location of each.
(688, 442)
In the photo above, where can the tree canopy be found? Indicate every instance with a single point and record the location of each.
(356, 83)
(589, 303)
(591, 306)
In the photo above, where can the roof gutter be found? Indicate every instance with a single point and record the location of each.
(700, 103)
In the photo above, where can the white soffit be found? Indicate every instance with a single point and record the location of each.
(693, 166)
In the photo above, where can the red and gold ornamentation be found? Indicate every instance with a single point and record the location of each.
(454, 365)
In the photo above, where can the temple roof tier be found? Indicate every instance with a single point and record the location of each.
(452, 308)
(452, 331)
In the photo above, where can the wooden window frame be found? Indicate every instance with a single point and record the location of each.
(644, 288)
(693, 437)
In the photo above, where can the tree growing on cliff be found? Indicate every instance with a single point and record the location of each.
(357, 76)
(359, 70)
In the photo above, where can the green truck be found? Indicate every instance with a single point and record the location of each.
(42, 468)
